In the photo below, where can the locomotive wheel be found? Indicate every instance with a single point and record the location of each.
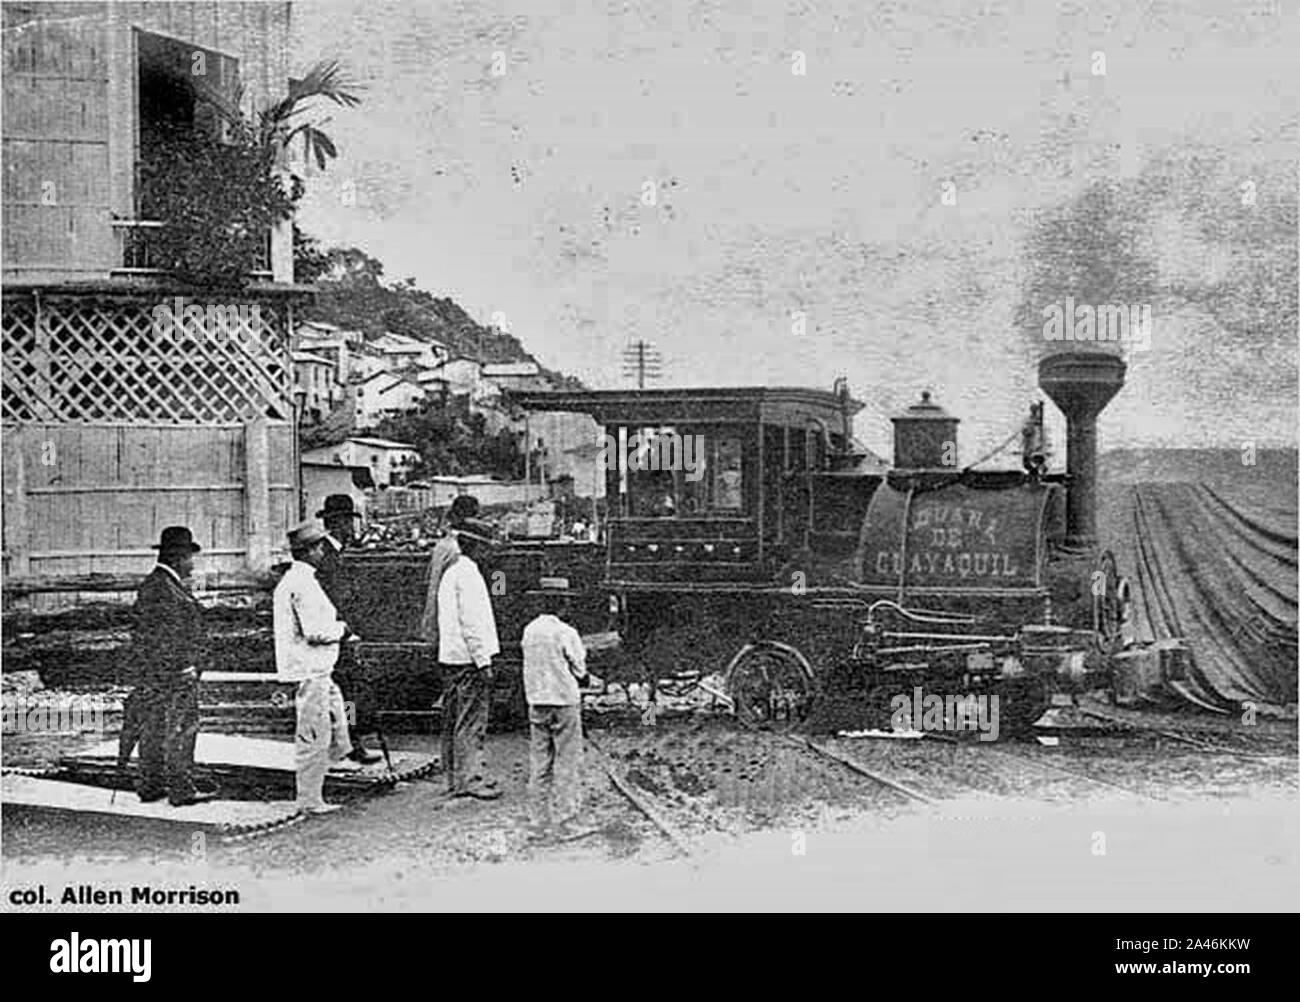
(771, 686)
(1108, 600)
(1021, 702)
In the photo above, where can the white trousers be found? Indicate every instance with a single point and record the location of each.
(322, 736)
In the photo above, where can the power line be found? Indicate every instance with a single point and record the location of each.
(642, 361)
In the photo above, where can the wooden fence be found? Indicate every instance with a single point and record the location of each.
(86, 501)
(113, 430)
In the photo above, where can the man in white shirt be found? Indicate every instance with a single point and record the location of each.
(554, 660)
(467, 643)
(445, 553)
(308, 632)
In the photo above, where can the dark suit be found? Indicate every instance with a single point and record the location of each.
(168, 637)
(348, 673)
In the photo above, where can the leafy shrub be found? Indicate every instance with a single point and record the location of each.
(217, 201)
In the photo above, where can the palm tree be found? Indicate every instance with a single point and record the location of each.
(275, 128)
(221, 199)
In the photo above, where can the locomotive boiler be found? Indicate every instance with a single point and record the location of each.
(989, 582)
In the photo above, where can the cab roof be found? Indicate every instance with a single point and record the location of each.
(778, 405)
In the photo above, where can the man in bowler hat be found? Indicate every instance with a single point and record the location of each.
(170, 644)
(339, 516)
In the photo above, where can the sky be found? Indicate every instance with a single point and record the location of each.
(591, 173)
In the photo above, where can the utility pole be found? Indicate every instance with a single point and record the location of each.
(641, 359)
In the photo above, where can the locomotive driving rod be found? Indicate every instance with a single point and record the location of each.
(946, 648)
(968, 637)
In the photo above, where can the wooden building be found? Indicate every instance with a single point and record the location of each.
(111, 431)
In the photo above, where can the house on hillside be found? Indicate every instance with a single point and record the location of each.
(337, 346)
(317, 385)
(434, 386)
(117, 422)
(322, 331)
(382, 395)
(516, 376)
(365, 360)
(389, 462)
(464, 376)
(401, 352)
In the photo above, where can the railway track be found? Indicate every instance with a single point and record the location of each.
(643, 802)
(698, 786)
(912, 788)
(1061, 770)
(858, 768)
(932, 771)
(1130, 728)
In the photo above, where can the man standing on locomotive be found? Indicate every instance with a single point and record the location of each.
(467, 643)
(339, 516)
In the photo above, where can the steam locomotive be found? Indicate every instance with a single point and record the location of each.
(743, 533)
(828, 587)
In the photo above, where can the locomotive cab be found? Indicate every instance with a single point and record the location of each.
(720, 485)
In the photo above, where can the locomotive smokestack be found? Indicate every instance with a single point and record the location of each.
(1081, 384)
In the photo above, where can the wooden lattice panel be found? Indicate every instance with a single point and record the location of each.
(90, 360)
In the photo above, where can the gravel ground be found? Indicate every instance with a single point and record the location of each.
(711, 779)
(735, 796)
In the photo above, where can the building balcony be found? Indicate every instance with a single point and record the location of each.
(136, 239)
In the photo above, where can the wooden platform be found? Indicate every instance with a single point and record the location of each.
(254, 759)
(51, 794)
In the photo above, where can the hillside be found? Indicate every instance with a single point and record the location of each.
(353, 294)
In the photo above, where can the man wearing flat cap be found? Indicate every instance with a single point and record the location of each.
(169, 641)
(340, 517)
(467, 643)
(308, 632)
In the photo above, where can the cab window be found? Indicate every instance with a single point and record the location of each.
(717, 484)
(680, 473)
